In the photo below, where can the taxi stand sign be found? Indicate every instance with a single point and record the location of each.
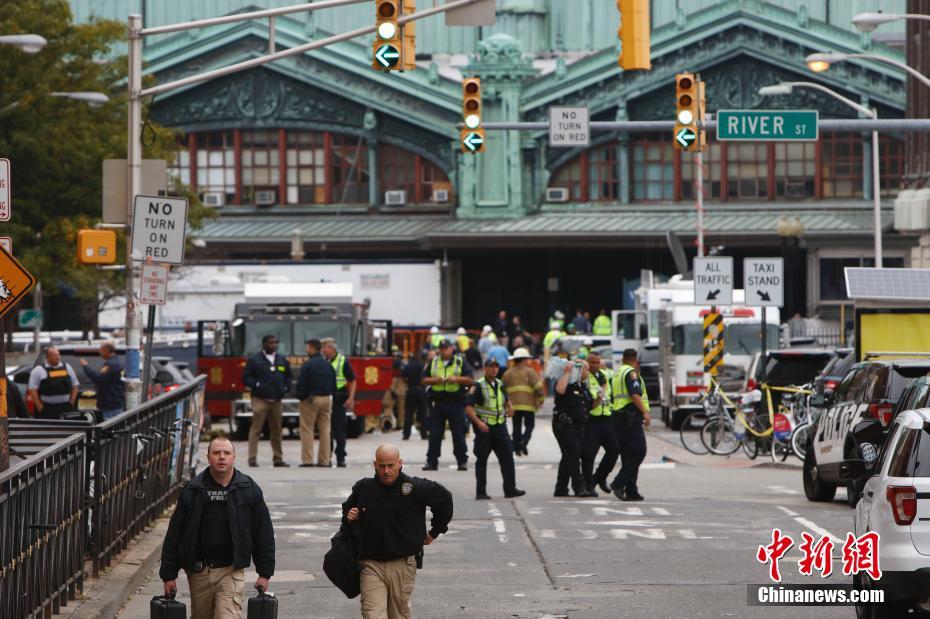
(764, 281)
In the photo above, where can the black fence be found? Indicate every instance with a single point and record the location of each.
(83, 491)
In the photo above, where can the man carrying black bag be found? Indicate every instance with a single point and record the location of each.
(219, 527)
(390, 511)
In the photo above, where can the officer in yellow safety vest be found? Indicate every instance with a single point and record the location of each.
(344, 398)
(631, 413)
(554, 334)
(488, 408)
(602, 324)
(448, 376)
(462, 340)
(435, 337)
(599, 431)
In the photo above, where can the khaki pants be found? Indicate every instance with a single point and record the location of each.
(216, 593)
(387, 587)
(270, 410)
(315, 413)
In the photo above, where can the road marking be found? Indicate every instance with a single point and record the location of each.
(782, 490)
(492, 510)
(660, 511)
(657, 465)
(687, 533)
(582, 533)
(499, 527)
(623, 511)
(647, 534)
(575, 576)
(787, 511)
(804, 522)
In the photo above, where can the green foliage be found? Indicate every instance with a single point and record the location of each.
(56, 146)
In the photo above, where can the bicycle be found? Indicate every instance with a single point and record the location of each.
(719, 434)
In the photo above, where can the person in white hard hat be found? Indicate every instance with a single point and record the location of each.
(462, 340)
(435, 337)
(488, 339)
(525, 389)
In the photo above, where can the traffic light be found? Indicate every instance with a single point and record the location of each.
(634, 34)
(687, 112)
(472, 136)
(388, 45)
(409, 38)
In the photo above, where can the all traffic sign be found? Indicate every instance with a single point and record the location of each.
(15, 281)
(387, 56)
(767, 125)
(159, 226)
(713, 280)
(685, 137)
(764, 281)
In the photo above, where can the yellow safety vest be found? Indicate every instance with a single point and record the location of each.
(604, 408)
(491, 410)
(464, 342)
(602, 325)
(338, 363)
(621, 394)
(439, 369)
(551, 337)
(436, 340)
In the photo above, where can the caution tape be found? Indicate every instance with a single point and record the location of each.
(742, 418)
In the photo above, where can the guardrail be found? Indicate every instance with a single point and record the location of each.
(84, 491)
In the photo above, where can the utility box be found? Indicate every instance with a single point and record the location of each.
(96, 246)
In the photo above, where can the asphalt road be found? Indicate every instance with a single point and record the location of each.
(687, 551)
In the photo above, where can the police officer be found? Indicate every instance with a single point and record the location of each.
(111, 391)
(448, 377)
(602, 325)
(415, 402)
(631, 413)
(53, 386)
(572, 401)
(268, 375)
(488, 408)
(343, 400)
(599, 431)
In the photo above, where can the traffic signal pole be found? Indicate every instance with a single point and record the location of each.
(699, 190)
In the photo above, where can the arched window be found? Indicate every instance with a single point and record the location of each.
(591, 176)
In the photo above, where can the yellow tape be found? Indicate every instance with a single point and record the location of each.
(788, 389)
(742, 418)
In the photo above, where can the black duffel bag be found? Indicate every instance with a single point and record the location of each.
(341, 561)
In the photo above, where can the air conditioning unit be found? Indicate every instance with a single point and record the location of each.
(395, 198)
(557, 194)
(265, 197)
(440, 196)
(214, 199)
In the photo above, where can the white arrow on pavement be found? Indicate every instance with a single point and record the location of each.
(386, 54)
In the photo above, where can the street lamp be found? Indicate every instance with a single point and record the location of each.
(93, 99)
(821, 61)
(29, 43)
(786, 88)
(867, 22)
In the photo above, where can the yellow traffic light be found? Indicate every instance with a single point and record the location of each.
(634, 34)
(687, 112)
(409, 38)
(96, 246)
(388, 46)
(472, 136)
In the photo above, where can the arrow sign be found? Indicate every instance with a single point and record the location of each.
(685, 137)
(763, 295)
(712, 296)
(473, 141)
(713, 280)
(387, 56)
(764, 281)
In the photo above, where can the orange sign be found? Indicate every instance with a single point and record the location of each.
(15, 281)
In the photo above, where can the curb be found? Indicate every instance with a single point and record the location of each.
(106, 595)
(777, 465)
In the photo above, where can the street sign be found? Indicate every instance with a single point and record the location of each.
(153, 181)
(713, 280)
(387, 56)
(15, 282)
(6, 184)
(569, 127)
(764, 281)
(159, 225)
(767, 125)
(30, 318)
(472, 141)
(7, 244)
(714, 344)
(685, 137)
(154, 284)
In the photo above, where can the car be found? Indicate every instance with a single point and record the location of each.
(786, 368)
(830, 377)
(870, 390)
(895, 504)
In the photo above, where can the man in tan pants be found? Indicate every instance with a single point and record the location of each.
(316, 386)
(391, 511)
(268, 375)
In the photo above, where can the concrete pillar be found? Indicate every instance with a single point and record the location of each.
(912, 213)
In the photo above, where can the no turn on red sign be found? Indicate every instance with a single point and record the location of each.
(159, 226)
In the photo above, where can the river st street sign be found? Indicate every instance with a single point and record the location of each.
(685, 137)
(387, 56)
(767, 125)
(764, 281)
(713, 280)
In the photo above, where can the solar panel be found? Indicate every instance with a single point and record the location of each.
(890, 284)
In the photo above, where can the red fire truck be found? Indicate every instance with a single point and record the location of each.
(293, 313)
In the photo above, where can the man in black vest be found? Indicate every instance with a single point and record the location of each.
(268, 375)
(53, 386)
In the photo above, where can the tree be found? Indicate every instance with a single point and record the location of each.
(57, 146)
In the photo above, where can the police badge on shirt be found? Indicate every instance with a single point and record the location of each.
(406, 488)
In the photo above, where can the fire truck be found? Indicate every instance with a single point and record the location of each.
(294, 313)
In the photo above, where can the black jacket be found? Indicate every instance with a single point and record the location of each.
(317, 377)
(393, 518)
(249, 525)
(267, 381)
(111, 391)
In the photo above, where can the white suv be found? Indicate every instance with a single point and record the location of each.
(896, 504)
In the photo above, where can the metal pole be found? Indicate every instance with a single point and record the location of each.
(149, 336)
(4, 385)
(762, 333)
(699, 190)
(37, 329)
(877, 200)
(827, 124)
(134, 159)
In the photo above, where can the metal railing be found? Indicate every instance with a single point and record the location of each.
(140, 460)
(41, 529)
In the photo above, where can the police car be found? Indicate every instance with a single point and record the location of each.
(896, 504)
(869, 390)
